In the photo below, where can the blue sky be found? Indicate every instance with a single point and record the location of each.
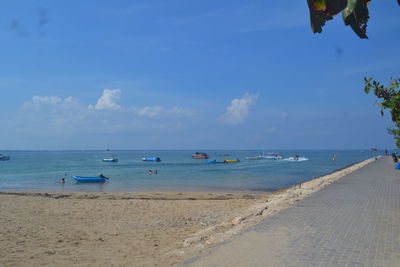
(190, 75)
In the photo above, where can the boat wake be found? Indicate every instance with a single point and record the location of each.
(295, 159)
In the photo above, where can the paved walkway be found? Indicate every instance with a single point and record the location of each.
(353, 222)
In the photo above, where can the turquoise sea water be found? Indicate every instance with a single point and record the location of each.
(41, 170)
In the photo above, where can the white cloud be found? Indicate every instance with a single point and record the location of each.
(150, 112)
(239, 108)
(108, 100)
(156, 112)
(51, 103)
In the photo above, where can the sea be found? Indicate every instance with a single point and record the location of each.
(40, 171)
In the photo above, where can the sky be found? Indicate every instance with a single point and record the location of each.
(190, 75)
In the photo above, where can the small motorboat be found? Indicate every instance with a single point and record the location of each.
(112, 159)
(214, 161)
(270, 156)
(156, 159)
(4, 157)
(231, 160)
(296, 158)
(200, 155)
(95, 179)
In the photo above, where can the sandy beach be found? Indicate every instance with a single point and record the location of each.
(132, 229)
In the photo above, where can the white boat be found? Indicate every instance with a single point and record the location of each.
(270, 156)
(111, 159)
(4, 157)
(296, 158)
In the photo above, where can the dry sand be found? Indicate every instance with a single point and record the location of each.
(131, 229)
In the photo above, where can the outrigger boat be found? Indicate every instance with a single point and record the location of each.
(200, 155)
(273, 156)
(4, 157)
(99, 179)
(156, 159)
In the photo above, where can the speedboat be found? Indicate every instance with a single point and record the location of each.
(95, 179)
(112, 159)
(214, 161)
(157, 159)
(200, 155)
(296, 158)
(271, 156)
(4, 157)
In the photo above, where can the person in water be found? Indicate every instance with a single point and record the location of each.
(62, 181)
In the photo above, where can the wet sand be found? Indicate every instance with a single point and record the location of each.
(132, 229)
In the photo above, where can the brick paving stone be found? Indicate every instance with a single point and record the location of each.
(352, 222)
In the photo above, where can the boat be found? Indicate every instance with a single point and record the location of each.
(296, 158)
(156, 159)
(231, 160)
(200, 155)
(270, 156)
(214, 161)
(112, 159)
(95, 179)
(4, 157)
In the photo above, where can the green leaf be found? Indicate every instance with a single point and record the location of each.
(388, 104)
(356, 15)
(349, 9)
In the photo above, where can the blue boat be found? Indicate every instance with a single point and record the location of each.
(214, 161)
(157, 159)
(99, 179)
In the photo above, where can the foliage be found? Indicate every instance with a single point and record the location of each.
(354, 13)
(390, 96)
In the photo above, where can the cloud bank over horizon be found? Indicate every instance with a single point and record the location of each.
(56, 115)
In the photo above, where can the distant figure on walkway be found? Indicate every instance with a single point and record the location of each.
(394, 157)
(386, 152)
